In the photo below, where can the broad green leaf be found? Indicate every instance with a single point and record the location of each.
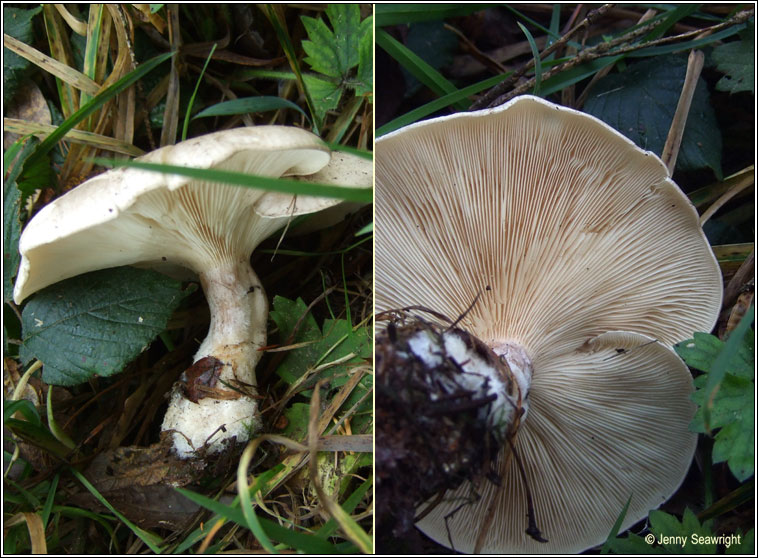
(11, 234)
(326, 94)
(96, 323)
(641, 101)
(701, 351)
(247, 105)
(333, 53)
(336, 341)
(677, 537)
(364, 80)
(17, 22)
(736, 60)
(744, 544)
(731, 406)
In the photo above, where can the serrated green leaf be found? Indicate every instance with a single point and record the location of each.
(736, 60)
(701, 351)
(677, 536)
(641, 101)
(334, 53)
(326, 94)
(17, 23)
(745, 544)
(337, 340)
(732, 406)
(96, 323)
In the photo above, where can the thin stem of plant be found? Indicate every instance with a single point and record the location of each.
(676, 131)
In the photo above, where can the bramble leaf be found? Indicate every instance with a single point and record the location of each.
(96, 323)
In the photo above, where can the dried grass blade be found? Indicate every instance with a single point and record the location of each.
(69, 75)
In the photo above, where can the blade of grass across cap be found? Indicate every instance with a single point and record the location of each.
(149, 539)
(194, 93)
(422, 71)
(96, 102)
(287, 185)
(247, 105)
(438, 104)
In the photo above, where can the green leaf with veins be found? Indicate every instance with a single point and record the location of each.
(736, 60)
(641, 101)
(96, 323)
(327, 347)
(732, 406)
(17, 22)
(334, 53)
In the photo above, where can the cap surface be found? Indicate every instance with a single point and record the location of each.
(128, 215)
(578, 233)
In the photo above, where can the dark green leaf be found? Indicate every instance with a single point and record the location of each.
(364, 81)
(11, 234)
(96, 323)
(17, 23)
(725, 394)
(334, 53)
(249, 105)
(640, 103)
(736, 60)
(326, 94)
(744, 545)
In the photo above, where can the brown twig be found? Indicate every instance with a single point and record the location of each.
(496, 91)
(599, 51)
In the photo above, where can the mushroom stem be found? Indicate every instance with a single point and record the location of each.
(216, 399)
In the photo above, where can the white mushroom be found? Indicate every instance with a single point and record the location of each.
(597, 265)
(129, 216)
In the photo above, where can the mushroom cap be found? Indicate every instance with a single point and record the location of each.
(579, 233)
(126, 215)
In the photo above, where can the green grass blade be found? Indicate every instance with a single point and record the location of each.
(50, 500)
(310, 544)
(148, 538)
(536, 55)
(98, 101)
(251, 518)
(438, 104)
(247, 105)
(422, 71)
(194, 93)
(616, 527)
(287, 185)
